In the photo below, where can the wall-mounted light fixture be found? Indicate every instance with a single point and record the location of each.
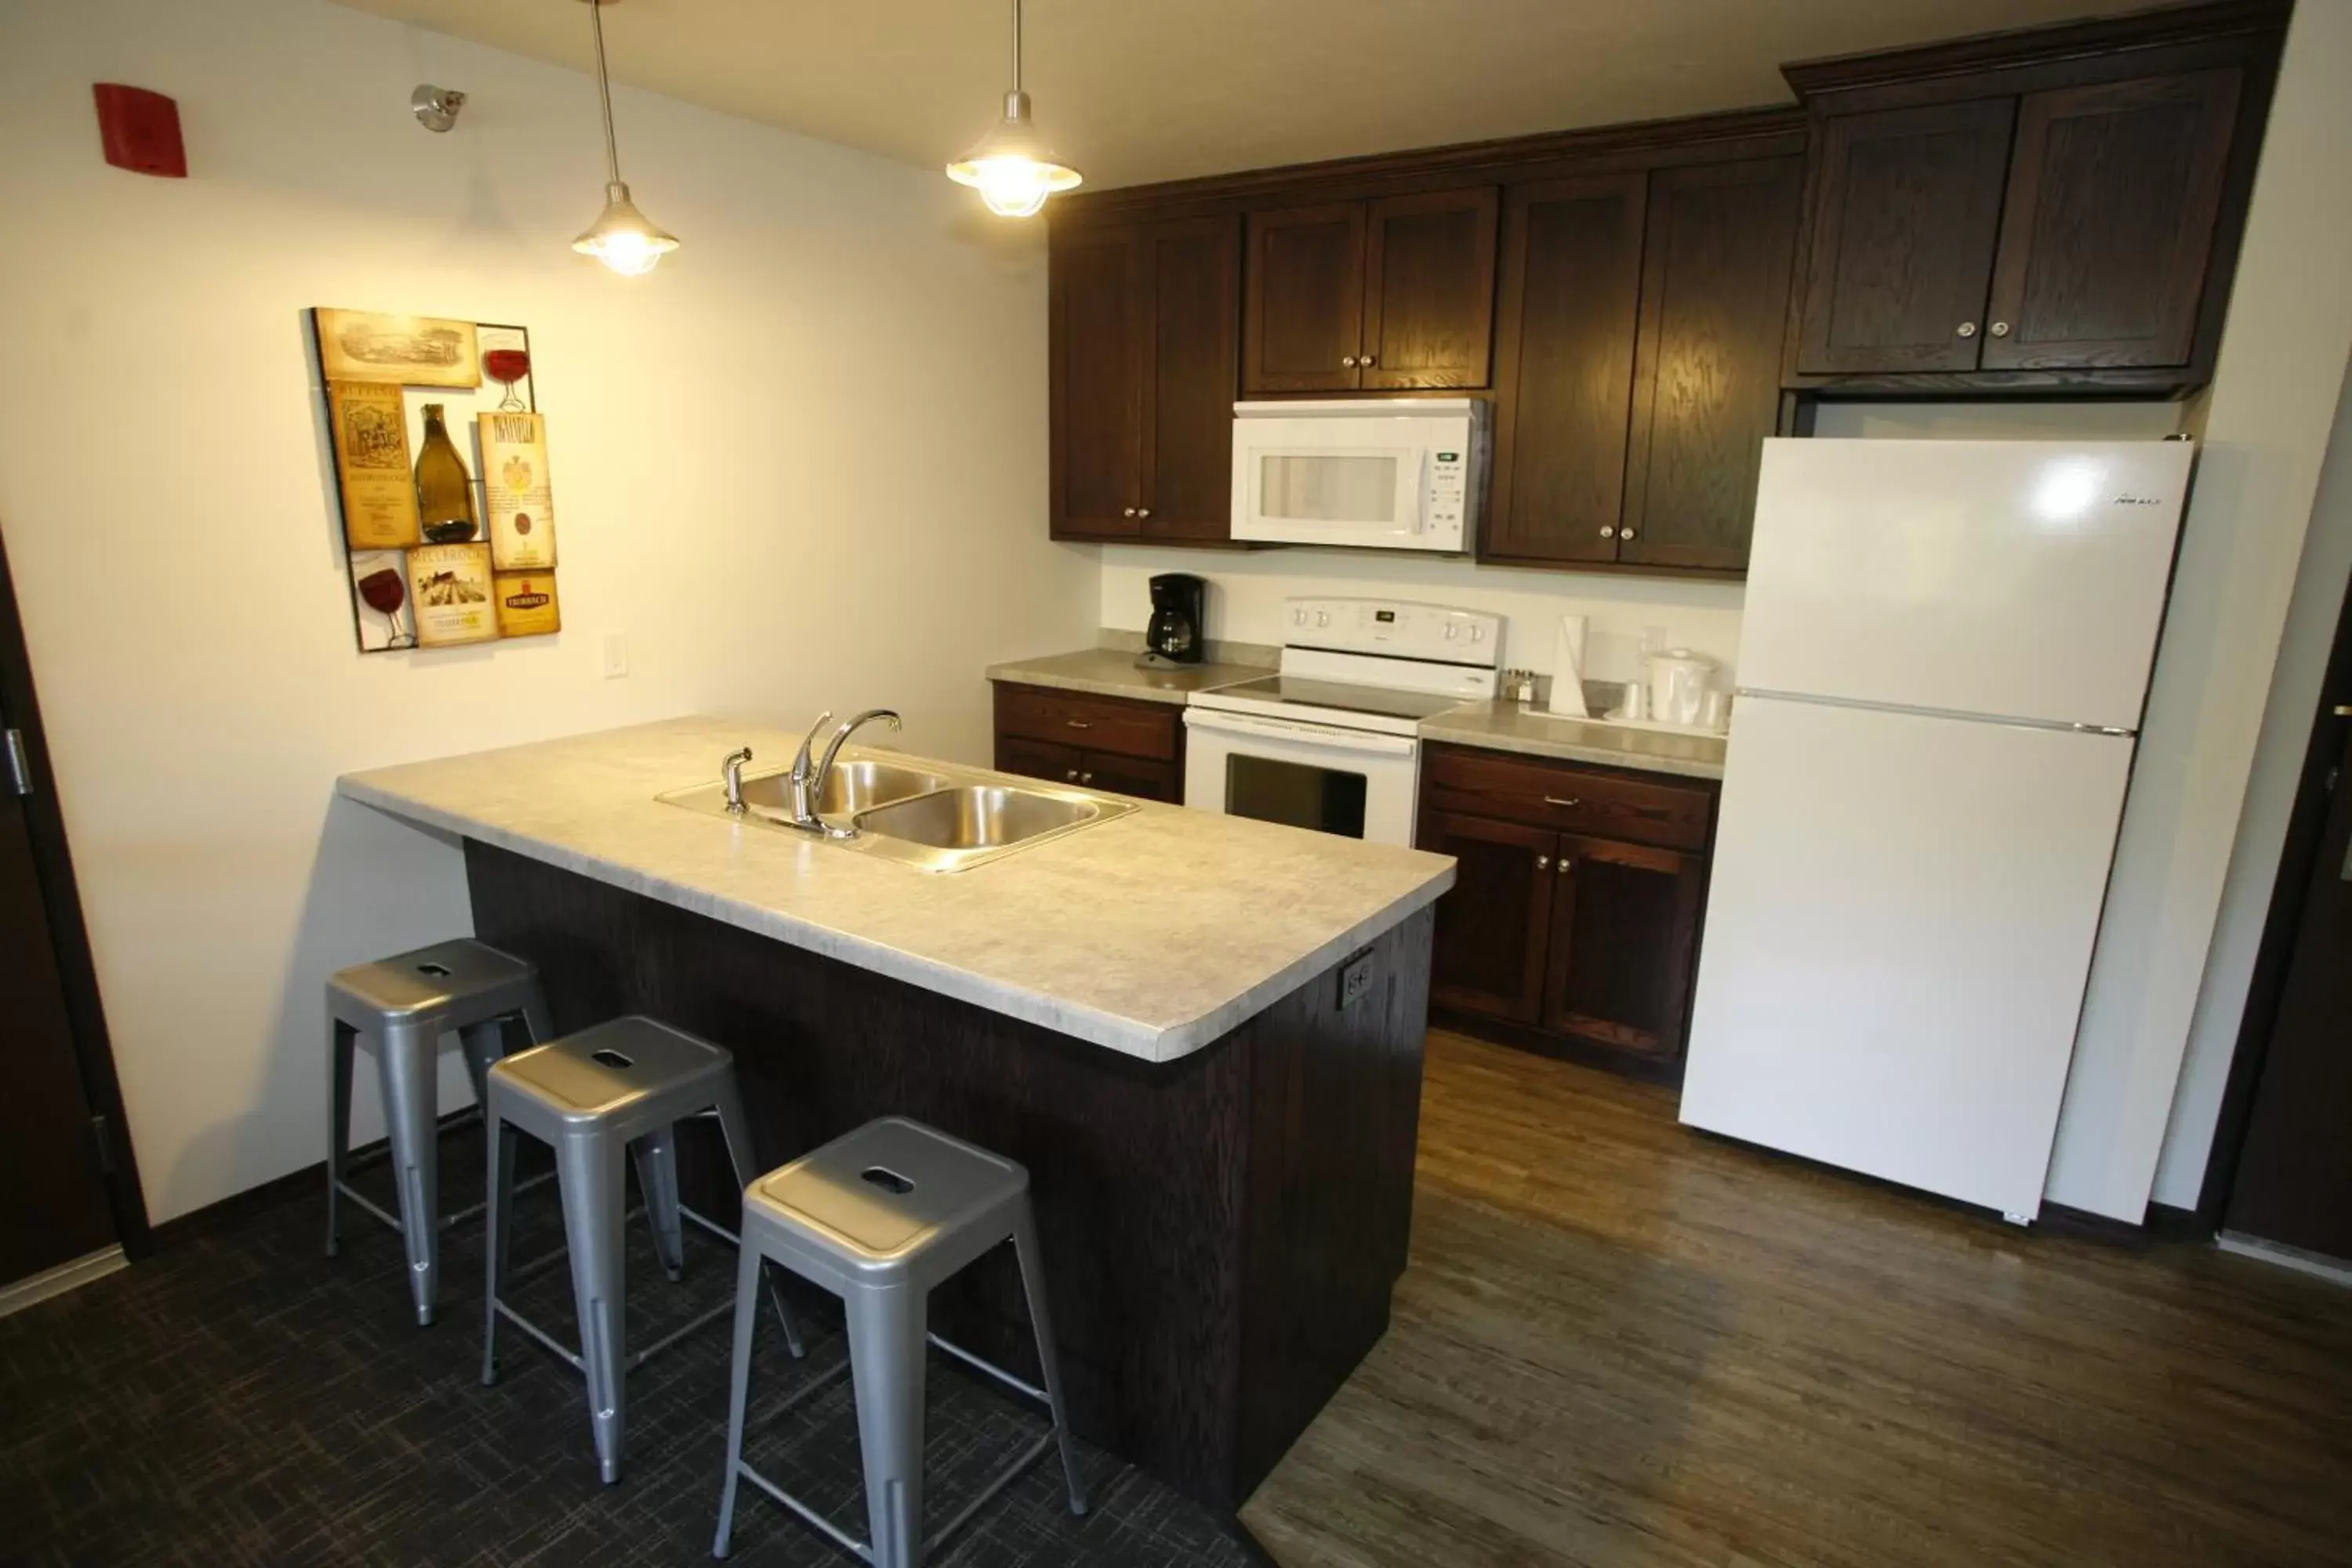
(622, 238)
(435, 108)
(1010, 166)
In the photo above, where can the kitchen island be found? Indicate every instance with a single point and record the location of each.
(1203, 1034)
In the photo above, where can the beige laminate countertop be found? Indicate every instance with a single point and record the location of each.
(1111, 672)
(1152, 933)
(1504, 726)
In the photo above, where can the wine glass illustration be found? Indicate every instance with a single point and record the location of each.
(385, 592)
(506, 366)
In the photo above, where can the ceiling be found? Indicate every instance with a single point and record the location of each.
(1138, 91)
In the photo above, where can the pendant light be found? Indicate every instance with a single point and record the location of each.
(1010, 166)
(622, 238)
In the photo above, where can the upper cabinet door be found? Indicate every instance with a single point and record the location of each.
(1095, 297)
(1195, 269)
(2114, 195)
(1720, 246)
(1564, 386)
(1306, 294)
(1906, 206)
(1429, 290)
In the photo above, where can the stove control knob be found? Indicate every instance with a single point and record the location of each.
(1478, 632)
(1322, 617)
(1299, 617)
(1452, 630)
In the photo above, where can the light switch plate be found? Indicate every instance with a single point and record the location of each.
(616, 655)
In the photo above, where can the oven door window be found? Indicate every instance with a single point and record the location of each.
(1298, 795)
(1328, 487)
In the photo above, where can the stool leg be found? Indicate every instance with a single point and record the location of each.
(407, 1062)
(739, 1397)
(738, 1154)
(484, 1043)
(499, 1205)
(1032, 1285)
(657, 1154)
(887, 1347)
(595, 1198)
(536, 1017)
(341, 1040)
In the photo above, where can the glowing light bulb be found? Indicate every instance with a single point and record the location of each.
(624, 238)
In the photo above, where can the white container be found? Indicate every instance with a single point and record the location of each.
(1679, 682)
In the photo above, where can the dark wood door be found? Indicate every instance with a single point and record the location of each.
(1907, 206)
(1038, 759)
(1571, 305)
(1429, 290)
(1096, 288)
(1625, 925)
(2294, 1183)
(1195, 275)
(1717, 254)
(1304, 324)
(1493, 925)
(53, 1201)
(1138, 776)
(2114, 192)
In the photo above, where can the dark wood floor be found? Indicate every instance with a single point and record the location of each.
(1622, 1343)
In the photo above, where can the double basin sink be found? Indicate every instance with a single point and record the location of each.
(926, 816)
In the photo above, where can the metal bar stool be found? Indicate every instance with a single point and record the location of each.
(621, 1086)
(881, 1216)
(400, 1007)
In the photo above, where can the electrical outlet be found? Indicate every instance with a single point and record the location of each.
(1355, 979)
(616, 655)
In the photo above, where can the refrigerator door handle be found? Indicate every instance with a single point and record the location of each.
(2011, 721)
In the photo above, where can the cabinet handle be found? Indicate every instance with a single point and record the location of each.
(1607, 531)
(1966, 329)
(1543, 862)
(1364, 359)
(1998, 328)
(1555, 800)
(1072, 776)
(1143, 511)
(2343, 710)
(1564, 864)
(1086, 778)
(1080, 723)
(1348, 360)
(1129, 512)
(1625, 533)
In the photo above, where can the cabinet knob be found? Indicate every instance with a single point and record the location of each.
(1348, 360)
(1543, 862)
(1625, 533)
(1607, 531)
(1072, 776)
(1998, 328)
(1143, 511)
(1086, 778)
(1364, 359)
(1564, 864)
(1966, 329)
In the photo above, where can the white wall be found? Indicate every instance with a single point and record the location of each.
(801, 465)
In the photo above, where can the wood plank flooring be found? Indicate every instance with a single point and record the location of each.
(1622, 1342)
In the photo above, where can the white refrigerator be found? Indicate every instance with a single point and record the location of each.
(1944, 655)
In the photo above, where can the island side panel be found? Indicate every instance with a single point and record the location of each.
(1140, 1170)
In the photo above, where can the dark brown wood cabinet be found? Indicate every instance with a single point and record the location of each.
(1573, 920)
(1118, 744)
(2032, 212)
(1383, 295)
(1144, 338)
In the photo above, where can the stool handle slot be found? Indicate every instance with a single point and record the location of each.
(889, 1181)
(612, 1058)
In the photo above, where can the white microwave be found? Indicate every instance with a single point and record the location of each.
(1397, 473)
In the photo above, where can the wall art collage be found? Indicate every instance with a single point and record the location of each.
(441, 466)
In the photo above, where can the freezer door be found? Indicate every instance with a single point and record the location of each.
(2017, 578)
(1898, 934)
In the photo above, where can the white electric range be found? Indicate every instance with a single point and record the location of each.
(1331, 742)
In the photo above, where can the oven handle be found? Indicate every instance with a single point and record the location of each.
(1312, 734)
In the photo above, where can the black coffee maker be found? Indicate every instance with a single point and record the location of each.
(1174, 634)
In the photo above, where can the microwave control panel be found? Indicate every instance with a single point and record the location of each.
(1449, 479)
(1395, 628)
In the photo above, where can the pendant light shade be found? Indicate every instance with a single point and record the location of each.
(622, 238)
(1011, 166)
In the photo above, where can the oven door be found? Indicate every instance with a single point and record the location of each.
(1359, 483)
(1318, 776)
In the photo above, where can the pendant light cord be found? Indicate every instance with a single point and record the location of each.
(604, 86)
(1016, 46)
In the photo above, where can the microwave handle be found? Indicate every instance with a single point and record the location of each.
(1315, 734)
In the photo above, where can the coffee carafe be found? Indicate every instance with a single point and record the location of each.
(1174, 633)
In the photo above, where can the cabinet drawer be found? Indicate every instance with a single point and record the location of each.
(1571, 799)
(1099, 724)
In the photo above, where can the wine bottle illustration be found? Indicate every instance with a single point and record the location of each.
(444, 491)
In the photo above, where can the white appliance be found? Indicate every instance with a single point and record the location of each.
(1331, 742)
(1943, 660)
(1401, 473)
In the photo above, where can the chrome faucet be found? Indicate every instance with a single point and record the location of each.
(808, 782)
(733, 770)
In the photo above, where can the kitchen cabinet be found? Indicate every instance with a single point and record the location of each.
(1385, 295)
(1573, 922)
(1099, 742)
(2045, 212)
(1144, 338)
(1641, 330)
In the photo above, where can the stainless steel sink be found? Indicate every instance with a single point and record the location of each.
(930, 818)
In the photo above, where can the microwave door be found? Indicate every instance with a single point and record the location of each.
(1313, 493)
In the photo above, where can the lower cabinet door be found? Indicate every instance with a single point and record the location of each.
(1038, 759)
(1624, 926)
(1493, 926)
(1138, 776)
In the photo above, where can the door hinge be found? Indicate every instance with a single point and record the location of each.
(20, 767)
(102, 1132)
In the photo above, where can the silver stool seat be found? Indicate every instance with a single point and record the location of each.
(400, 1007)
(879, 1216)
(621, 1086)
